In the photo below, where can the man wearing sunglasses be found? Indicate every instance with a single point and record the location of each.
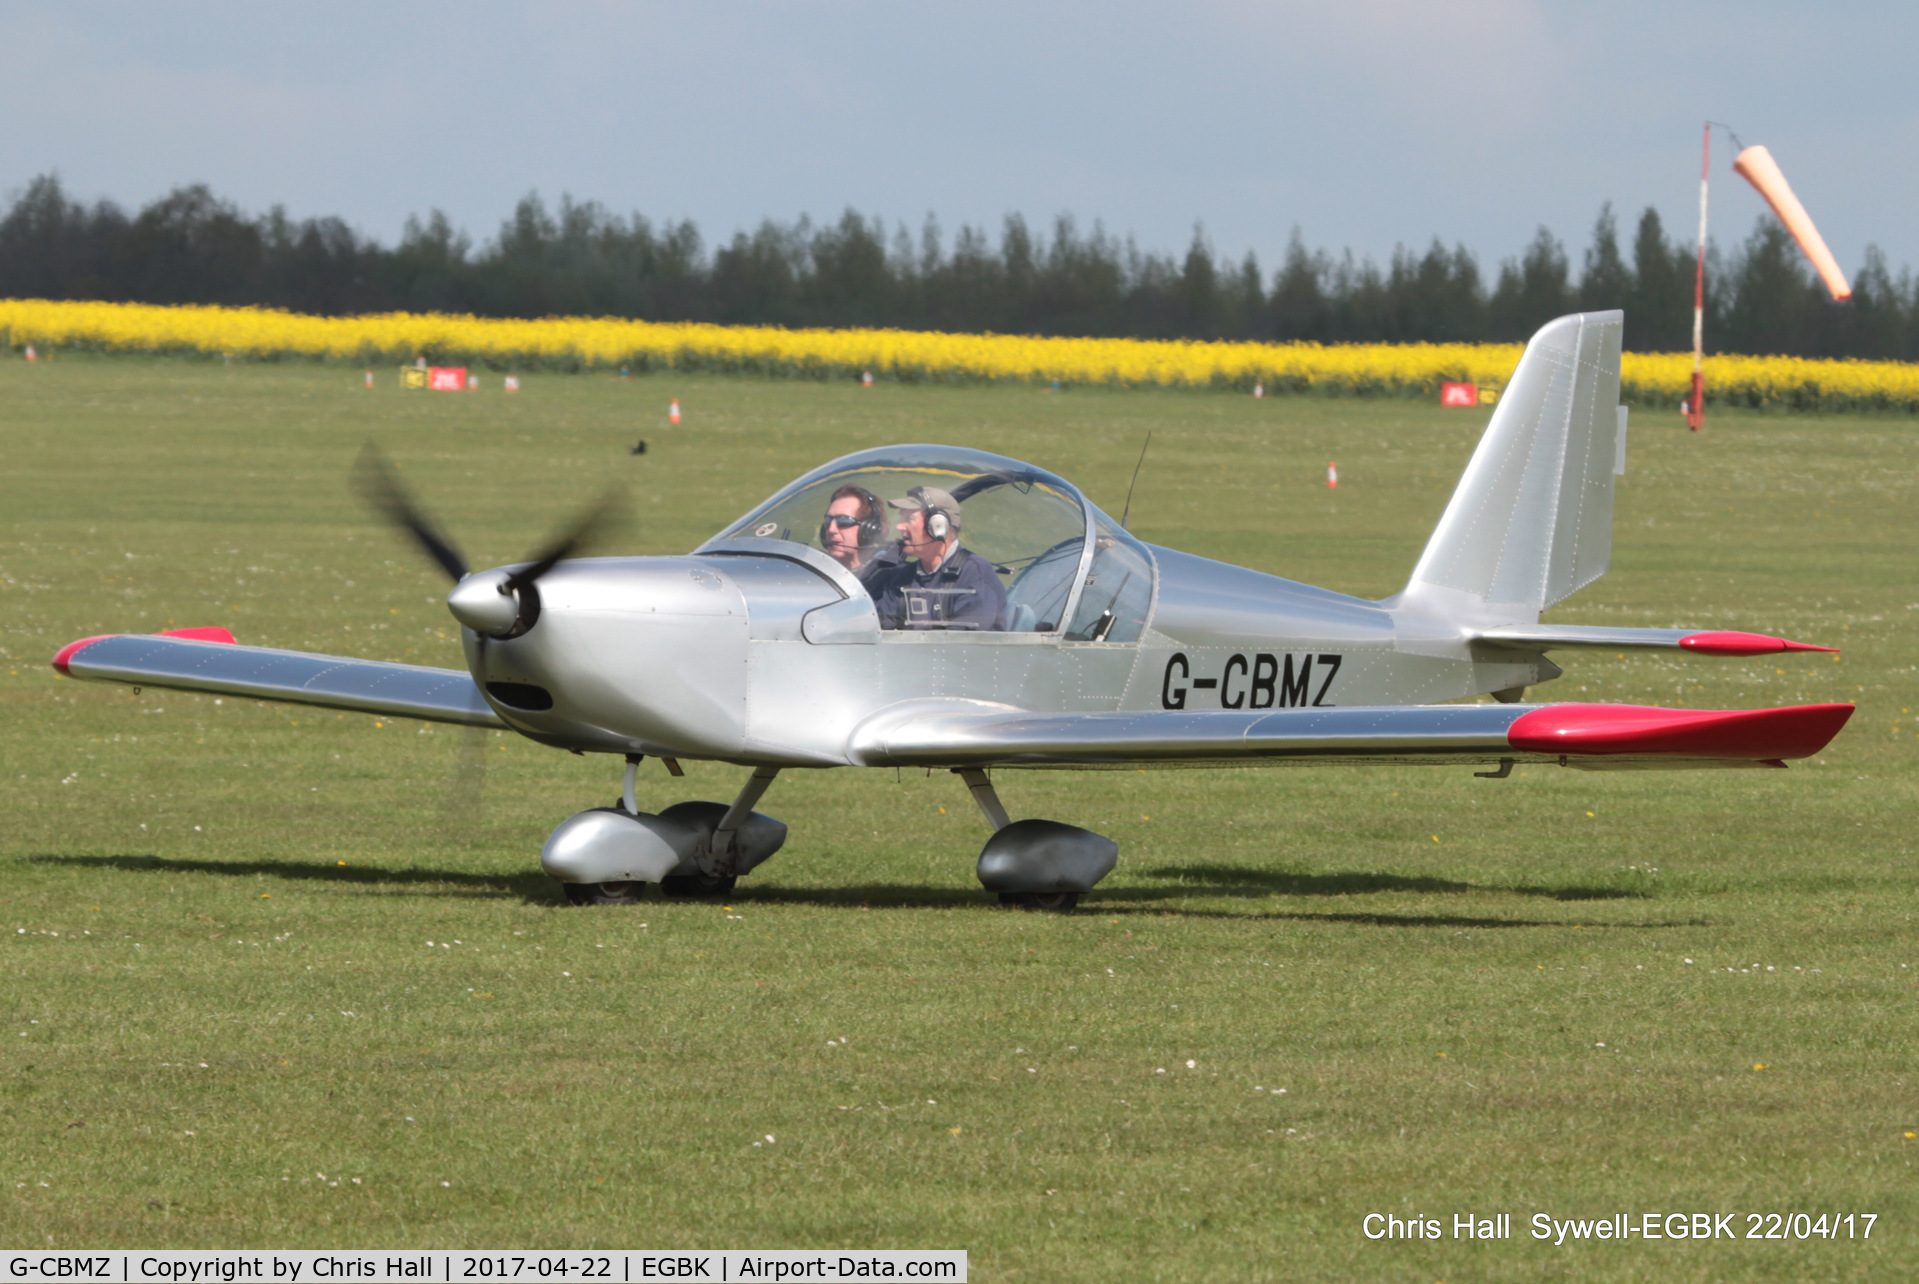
(852, 531)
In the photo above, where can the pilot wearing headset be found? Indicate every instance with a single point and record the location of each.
(852, 532)
(939, 585)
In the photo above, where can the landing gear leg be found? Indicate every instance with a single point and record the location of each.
(718, 863)
(629, 798)
(985, 795)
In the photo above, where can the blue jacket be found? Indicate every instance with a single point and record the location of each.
(964, 594)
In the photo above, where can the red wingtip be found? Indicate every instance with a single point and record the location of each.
(67, 652)
(210, 633)
(1728, 642)
(1759, 734)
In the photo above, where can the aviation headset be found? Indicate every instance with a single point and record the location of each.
(871, 525)
(939, 522)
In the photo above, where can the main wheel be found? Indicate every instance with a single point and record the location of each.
(697, 885)
(1056, 902)
(604, 893)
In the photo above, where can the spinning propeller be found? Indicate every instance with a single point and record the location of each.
(497, 604)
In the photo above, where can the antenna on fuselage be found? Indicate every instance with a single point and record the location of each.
(1128, 510)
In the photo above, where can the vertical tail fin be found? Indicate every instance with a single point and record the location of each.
(1531, 520)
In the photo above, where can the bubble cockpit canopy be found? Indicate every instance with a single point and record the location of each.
(1030, 526)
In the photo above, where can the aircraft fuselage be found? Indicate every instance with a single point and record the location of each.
(779, 658)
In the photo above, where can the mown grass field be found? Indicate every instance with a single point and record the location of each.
(281, 977)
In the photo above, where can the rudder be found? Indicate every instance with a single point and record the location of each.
(1531, 520)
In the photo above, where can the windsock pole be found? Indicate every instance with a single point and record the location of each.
(1696, 404)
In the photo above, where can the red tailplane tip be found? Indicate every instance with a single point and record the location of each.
(1728, 642)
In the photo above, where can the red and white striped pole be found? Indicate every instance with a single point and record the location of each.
(1696, 404)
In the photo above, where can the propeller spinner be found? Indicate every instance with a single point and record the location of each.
(501, 603)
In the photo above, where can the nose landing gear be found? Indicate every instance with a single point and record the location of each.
(606, 856)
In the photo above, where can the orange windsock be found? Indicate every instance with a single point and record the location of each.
(1757, 167)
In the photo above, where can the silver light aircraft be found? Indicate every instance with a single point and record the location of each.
(1014, 624)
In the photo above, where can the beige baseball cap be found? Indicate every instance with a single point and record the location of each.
(922, 498)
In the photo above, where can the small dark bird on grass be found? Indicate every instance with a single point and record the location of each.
(638, 448)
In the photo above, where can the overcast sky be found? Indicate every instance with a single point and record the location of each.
(1366, 124)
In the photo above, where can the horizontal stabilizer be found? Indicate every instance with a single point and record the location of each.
(964, 733)
(1546, 637)
(334, 682)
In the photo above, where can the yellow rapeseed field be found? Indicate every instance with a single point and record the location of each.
(573, 343)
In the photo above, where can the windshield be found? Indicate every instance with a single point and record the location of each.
(943, 537)
(1119, 590)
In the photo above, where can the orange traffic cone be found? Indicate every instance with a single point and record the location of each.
(673, 411)
(1332, 476)
(1259, 390)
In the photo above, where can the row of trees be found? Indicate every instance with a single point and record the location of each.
(191, 247)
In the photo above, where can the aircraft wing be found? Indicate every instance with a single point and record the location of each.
(202, 662)
(1545, 637)
(969, 734)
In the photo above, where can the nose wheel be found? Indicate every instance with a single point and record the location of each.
(688, 886)
(1055, 902)
(604, 893)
